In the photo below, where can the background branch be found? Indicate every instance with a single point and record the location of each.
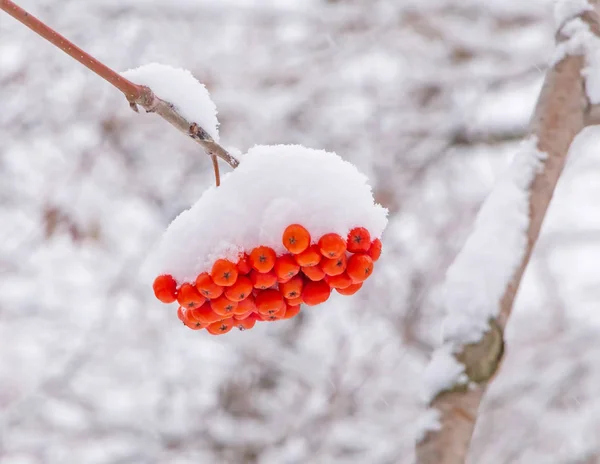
(135, 94)
(560, 114)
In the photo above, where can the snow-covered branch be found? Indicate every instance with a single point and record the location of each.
(481, 285)
(135, 94)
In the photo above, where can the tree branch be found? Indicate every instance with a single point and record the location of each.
(135, 94)
(561, 113)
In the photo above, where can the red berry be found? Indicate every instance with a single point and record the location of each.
(224, 273)
(342, 280)
(165, 288)
(314, 273)
(332, 245)
(360, 267)
(291, 311)
(221, 327)
(315, 293)
(309, 257)
(245, 306)
(243, 265)
(292, 288)
(189, 297)
(240, 290)
(207, 287)
(269, 301)
(205, 314)
(375, 249)
(245, 324)
(294, 301)
(296, 238)
(359, 239)
(350, 290)
(334, 266)
(276, 315)
(262, 259)
(286, 268)
(262, 280)
(223, 306)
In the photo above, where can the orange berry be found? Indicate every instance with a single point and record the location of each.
(334, 266)
(342, 280)
(241, 317)
(245, 324)
(292, 288)
(314, 273)
(188, 296)
(262, 259)
(243, 265)
(291, 311)
(224, 273)
(207, 287)
(257, 317)
(375, 249)
(286, 268)
(359, 239)
(315, 293)
(190, 321)
(332, 245)
(165, 288)
(360, 267)
(223, 306)
(221, 327)
(309, 257)
(240, 290)
(181, 314)
(205, 314)
(276, 315)
(245, 306)
(269, 301)
(294, 301)
(296, 238)
(350, 290)
(262, 280)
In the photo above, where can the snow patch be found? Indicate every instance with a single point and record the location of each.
(478, 277)
(565, 10)
(442, 373)
(273, 187)
(481, 272)
(180, 88)
(582, 41)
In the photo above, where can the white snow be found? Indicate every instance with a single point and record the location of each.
(273, 187)
(565, 10)
(442, 372)
(581, 41)
(179, 87)
(479, 276)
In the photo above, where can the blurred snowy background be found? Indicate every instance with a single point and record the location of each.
(428, 97)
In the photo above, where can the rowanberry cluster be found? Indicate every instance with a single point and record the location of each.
(262, 286)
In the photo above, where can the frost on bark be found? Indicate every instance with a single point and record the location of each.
(562, 111)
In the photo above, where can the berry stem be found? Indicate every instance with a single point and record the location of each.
(135, 94)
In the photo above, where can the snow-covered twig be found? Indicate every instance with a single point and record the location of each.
(135, 94)
(482, 283)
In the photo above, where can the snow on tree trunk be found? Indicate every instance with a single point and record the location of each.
(482, 283)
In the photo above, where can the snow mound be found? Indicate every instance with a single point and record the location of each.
(273, 187)
(180, 88)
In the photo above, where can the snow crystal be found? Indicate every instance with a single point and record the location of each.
(565, 10)
(273, 187)
(442, 373)
(180, 88)
(481, 272)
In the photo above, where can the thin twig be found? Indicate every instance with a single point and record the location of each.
(135, 94)
(215, 163)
